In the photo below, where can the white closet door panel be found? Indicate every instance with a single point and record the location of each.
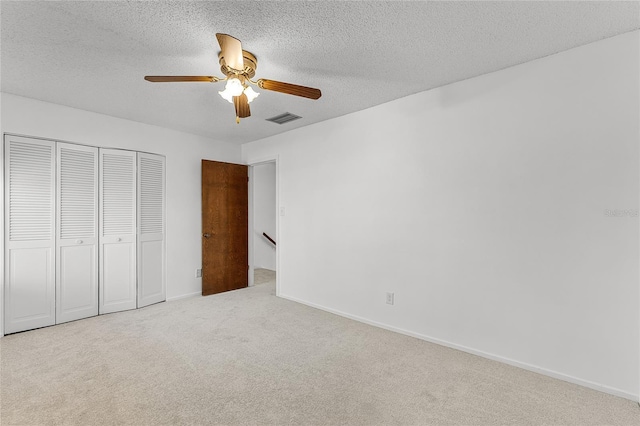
(151, 172)
(77, 233)
(31, 189)
(151, 229)
(151, 254)
(77, 294)
(118, 192)
(30, 289)
(118, 290)
(117, 230)
(29, 237)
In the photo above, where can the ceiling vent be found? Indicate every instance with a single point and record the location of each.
(283, 118)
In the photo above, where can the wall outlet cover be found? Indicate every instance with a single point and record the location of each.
(389, 298)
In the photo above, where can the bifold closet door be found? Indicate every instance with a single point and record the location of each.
(151, 229)
(30, 236)
(77, 233)
(117, 230)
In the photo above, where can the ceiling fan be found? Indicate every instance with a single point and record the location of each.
(239, 67)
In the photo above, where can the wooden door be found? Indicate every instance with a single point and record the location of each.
(30, 199)
(117, 242)
(225, 210)
(77, 233)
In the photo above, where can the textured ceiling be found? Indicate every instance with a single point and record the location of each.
(94, 55)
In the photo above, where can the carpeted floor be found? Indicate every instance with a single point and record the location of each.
(248, 357)
(263, 276)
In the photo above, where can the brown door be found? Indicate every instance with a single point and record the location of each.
(225, 253)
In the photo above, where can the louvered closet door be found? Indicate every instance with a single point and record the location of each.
(117, 230)
(151, 229)
(29, 237)
(77, 233)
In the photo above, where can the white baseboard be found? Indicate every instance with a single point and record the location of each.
(184, 296)
(523, 365)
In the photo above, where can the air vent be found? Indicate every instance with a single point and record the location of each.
(283, 118)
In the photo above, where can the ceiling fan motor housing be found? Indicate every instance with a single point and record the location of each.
(250, 65)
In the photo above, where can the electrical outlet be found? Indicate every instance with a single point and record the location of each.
(389, 298)
(198, 273)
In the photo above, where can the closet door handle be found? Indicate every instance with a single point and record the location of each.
(118, 239)
(78, 241)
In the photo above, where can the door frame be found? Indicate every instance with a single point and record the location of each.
(252, 164)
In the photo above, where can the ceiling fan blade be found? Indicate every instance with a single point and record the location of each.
(174, 78)
(290, 89)
(242, 106)
(231, 51)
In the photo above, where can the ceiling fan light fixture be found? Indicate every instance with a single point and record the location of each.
(226, 96)
(251, 94)
(233, 88)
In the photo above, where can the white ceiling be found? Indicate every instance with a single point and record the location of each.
(94, 55)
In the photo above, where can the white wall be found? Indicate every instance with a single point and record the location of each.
(1, 226)
(264, 215)
(482, 205)
(183, 152)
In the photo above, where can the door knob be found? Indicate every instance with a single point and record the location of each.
(206, 235)
(118, 239)
(79, 241)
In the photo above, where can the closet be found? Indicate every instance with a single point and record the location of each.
(84, 231)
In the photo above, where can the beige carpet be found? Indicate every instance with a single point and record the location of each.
(248, 357)
(263, 276)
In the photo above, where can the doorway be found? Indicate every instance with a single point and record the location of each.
(263, 224)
